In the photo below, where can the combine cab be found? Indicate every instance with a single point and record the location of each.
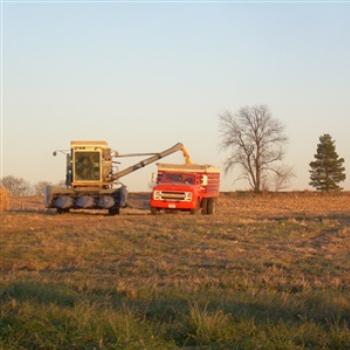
(91, 178)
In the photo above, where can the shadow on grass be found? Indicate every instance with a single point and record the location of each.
(58, 294)
(130, 211)
(263, 308)
(39, 293)
(43, 211)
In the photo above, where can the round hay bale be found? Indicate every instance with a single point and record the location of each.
(4, 199)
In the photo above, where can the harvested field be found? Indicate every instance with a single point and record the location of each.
(267, 272)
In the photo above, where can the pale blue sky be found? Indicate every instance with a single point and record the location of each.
(145, 76)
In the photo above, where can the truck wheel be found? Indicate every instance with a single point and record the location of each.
(211, 206)
(204, 206)
(114, 211)
(197, 209)
(155, 211)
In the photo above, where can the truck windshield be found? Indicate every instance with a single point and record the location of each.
(177, 178)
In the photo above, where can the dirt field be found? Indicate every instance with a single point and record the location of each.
(267, 272)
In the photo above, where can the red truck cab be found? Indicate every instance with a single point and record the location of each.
(185, 187)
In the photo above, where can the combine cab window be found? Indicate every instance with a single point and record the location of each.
(87, 166)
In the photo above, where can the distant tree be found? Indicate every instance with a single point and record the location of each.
(255, 141)
(327, 170)
(16, 186)
(40, 187)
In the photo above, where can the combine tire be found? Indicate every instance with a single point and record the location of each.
(62, 210)
(211, 206)
(114, 211)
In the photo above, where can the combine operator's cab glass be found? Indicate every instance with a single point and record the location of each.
(87, 166)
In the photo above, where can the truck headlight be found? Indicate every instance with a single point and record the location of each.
(188, 196)
(157, 195)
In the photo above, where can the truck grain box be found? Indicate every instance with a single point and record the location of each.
(185, 187)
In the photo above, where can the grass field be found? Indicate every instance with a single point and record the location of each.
(266, 272)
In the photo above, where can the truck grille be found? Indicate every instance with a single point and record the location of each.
(176, 196)
(173, 196)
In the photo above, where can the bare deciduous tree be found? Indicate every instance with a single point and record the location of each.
(16, 186)
(281, 178)
(255, 141)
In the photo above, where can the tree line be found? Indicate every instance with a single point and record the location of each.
(255, 142)
(19, 187)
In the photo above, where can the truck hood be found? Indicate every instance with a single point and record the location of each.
(171, 187)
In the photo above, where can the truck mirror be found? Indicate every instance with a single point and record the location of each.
(154, 177)
(54, 153)
(204, 180)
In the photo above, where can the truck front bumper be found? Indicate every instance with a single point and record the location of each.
(180, 205)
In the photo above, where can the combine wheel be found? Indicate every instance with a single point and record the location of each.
(114, 211)
(211, 206)
(62, 210)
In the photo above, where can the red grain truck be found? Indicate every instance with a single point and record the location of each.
(185, 187)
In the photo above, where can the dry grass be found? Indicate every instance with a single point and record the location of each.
(269, 272)
(289, 204)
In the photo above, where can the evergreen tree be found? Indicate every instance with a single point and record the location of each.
(327, 170)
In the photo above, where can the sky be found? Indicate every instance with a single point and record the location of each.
(144, 76)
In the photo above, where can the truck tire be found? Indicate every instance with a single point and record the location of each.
(211, 206)
(114, 211)
(197, 210)
(204, 206)
(155, 211)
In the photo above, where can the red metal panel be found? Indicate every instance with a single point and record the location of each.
(213, 187)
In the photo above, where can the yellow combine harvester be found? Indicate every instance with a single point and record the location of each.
(91, 178)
